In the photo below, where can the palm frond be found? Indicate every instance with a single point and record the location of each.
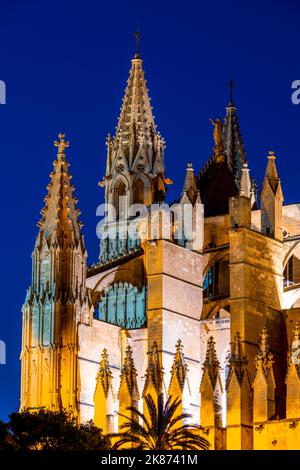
(159, 430)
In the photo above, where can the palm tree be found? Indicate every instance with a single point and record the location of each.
(162, 431)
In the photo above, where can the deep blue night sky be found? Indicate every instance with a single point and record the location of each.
(65, 64)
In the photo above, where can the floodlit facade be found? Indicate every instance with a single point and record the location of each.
(199, 300)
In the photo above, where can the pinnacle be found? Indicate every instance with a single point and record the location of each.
(271, 173)
(128, 372)
(154, 372)
(104, 374)
(179, 367)
(60, 215)
(211, 363)
(211, 355)
(190, 184)
(264, 356)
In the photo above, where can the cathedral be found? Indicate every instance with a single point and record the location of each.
(198, 299)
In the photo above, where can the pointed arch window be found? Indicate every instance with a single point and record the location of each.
(138, 192)
(120, 200)
(45, 271)
(288, 274)
(216, 281)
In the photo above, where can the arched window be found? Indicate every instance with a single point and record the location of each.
(45, 270)
(216, 281)
(124, 305)
(288, 273)
(138, 192)
(120, 200)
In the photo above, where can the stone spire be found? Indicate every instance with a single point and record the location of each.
(179, 367)
(232, 141)
(57, 300)
(220, 178)
(104, 376)
(129, 374)
(137, 145)
(154, 372)
(60, 216)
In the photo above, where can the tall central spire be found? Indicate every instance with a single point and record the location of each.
(136, 110)
(135, 166)
(137, 145)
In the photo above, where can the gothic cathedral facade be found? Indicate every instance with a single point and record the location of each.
(210, 317)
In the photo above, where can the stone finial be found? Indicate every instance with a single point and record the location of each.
(104, 376)
(294, 350)
(245, 184)
(129, 373)
(264, 358)
(271, 154)
(211, 363)
(237, 361)
(154, 372)
(297, 332)
(190, 184)
(264, 343)
(179, 367)
(62, 144)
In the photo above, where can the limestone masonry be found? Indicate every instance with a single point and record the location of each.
(211, 318)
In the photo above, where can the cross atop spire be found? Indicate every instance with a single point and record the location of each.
(62, 144)
(137, 44)
(231, 85)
